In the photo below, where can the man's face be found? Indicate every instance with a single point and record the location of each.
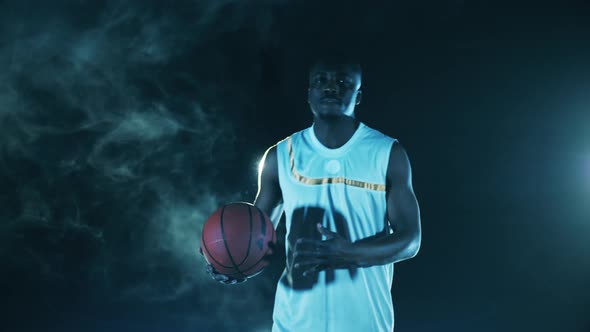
(334, 90)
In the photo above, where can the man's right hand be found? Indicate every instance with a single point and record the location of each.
(222, 278)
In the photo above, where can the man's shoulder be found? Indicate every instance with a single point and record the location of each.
(377, 135)
(295, 135)
(282, 143)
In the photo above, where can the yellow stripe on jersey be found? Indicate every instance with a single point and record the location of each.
(315, 181)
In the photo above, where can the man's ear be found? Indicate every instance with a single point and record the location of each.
(359, 95)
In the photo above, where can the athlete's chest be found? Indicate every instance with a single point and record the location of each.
(360, 163)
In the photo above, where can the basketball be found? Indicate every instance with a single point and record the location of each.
(235, 239)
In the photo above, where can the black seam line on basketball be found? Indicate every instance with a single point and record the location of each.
(211, 256)
(249, 239)
(253, 266)
(225, 244)
(258, 261)
(262, 221)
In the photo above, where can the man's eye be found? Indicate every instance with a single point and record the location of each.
(344, 82)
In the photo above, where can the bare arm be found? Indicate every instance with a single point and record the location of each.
(269, 196)
(403, 214)
(404, 217)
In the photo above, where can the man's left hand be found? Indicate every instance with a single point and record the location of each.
(317, 255)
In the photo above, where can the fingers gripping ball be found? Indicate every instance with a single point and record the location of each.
(235, 240)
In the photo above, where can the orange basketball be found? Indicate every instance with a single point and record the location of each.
(235, 239)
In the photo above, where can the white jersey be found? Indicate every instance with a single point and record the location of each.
(344, 189)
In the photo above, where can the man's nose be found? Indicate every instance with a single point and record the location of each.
(331, 86)
(330, 89)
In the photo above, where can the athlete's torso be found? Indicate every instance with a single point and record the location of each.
(344, 189)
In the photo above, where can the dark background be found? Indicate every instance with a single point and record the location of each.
(123, 125)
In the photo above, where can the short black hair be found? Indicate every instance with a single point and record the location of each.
(334, 54)
(336, 60)
(323, 62)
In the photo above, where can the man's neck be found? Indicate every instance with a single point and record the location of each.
(335, 132)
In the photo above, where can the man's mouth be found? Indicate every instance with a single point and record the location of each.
(330, 100)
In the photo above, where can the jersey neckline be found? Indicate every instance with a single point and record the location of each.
(338, 151)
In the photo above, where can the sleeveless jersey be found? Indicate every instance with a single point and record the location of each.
(344, 189)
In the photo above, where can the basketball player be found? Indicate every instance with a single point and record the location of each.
(350, 212)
